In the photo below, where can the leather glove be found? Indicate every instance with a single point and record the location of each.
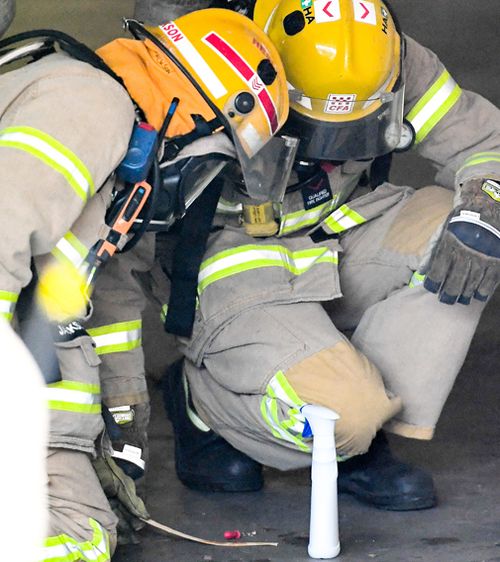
(465, 262)
(125, 503)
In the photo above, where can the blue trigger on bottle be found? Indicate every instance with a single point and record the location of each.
(141, 149)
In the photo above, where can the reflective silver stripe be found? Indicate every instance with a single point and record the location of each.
(343, 219)
(122, 336)
(52, 153)
(416, 280)
(302, 219)
(70, 249)
(8, 302)
(63, 548)
(74, 396)
(434, 105)
(291, 428)
(249, 257)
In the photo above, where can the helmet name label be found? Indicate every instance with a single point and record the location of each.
(340, 103)
(172, 32)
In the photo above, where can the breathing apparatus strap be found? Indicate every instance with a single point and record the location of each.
(187, 258)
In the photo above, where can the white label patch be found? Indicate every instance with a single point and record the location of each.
(492, 188)
(326, 10)
(340, 103)
(365, 12)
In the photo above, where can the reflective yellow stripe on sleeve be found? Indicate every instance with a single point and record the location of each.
(292, 222)
(113, 338)
(73, 396)
(8, 302)
(70, 250)
(63, 548)
(480, 158)
(54, 154)
(342, 219)
(434, 105)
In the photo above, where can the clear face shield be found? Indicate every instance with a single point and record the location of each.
(376, 132)
(265, 160)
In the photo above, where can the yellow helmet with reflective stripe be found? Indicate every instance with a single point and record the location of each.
(236, 66)
(343, 64)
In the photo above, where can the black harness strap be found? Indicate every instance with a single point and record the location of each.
(187, 258)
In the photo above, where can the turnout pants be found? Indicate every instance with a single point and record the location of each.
(265, 361)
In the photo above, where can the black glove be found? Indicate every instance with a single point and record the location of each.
(465, 262)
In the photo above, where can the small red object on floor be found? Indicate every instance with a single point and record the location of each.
(228, 535)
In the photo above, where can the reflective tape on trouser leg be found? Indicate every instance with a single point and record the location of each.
(344, 380)
(82, 526)
(75, 401)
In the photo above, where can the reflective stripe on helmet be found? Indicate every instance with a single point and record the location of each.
(197, 62)
(234, 59)
(52, 153)
(249, 257)
(63, 548)
(434, 105)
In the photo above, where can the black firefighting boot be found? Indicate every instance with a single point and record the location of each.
(204, 461)
(379, 479)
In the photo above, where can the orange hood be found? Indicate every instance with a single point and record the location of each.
(152, 80)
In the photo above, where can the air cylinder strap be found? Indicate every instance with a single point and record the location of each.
(187, 259)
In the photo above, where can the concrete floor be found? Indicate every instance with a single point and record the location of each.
(465, 454)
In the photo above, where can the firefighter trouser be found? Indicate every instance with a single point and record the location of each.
(82, 525)
(397, 371)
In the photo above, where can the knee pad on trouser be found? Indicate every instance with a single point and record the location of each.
(80, 517)
(129, 438)
(342, 378)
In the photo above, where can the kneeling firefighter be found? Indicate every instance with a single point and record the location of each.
(343, 252)
(96, 151)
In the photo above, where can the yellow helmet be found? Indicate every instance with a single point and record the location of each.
(343, 64)
(235, 67)
(237, 70)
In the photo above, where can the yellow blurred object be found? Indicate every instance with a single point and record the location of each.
(62, 293)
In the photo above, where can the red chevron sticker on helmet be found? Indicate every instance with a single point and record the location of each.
(234, 59)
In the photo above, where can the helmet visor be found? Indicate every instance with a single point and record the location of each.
(266, 173)
(377, 132)
(265, 158)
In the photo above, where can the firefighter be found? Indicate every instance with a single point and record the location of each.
(349, 292)
(77, 131)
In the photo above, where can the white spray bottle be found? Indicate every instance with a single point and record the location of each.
(324, 525)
